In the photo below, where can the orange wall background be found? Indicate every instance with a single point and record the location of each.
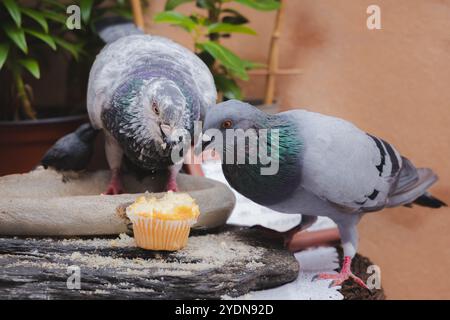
(394, 83)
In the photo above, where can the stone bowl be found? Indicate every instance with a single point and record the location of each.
(48, 203)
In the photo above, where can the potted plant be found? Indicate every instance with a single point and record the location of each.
(218, 21)
(34, 36)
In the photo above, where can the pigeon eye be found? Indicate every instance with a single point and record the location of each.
(227, 124)
(155, 109)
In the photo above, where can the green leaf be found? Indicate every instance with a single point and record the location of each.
(36, 16)
(14, 11)
(262, 5)
(123, 12)
(17, 35)
(250, 65)
(4, 49)
(56, 3)
(42, 36)
(86, 9)
(207, 4)
(227, 58)
(172, 4)
(228, 87)
(74, 50)
(229, 28)
(57, 17)
(31, 65)
(175, 18)
(234, 17)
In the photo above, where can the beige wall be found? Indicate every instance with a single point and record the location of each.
(394, 83)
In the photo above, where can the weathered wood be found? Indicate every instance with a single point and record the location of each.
(231, 262)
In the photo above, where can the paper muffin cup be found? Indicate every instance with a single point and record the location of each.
(157, 234)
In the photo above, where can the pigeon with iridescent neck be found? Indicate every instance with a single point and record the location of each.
(141, 90)
(325, 167)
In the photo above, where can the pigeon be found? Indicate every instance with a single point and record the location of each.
(144, 91)
(73, 151)
(326, 167)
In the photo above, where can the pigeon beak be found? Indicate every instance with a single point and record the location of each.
(206, 140)
(166, 129)
(170, 136)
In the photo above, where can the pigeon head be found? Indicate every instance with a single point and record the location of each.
(165, 104)
(275, 170)
(148, 117)
(231, 115)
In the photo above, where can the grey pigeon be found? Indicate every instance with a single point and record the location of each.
(327, 167)
(141, 90)
(73, 151)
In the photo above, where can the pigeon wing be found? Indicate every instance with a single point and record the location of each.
(345, 165)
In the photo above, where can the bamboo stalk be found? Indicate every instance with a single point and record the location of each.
(138, 17)
(274, 55)
(279, 72)
(24, 98)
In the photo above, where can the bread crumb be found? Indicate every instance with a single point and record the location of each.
(123, 241)
(254, 265)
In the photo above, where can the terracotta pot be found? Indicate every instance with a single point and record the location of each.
(23, 143)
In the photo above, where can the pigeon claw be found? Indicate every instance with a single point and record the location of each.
(339, 278)
(113, 189)
(115, 185)
(172, 185)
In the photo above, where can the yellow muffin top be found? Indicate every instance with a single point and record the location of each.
(172, 206)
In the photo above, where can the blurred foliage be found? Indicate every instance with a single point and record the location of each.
(207, 28)
(29, 29)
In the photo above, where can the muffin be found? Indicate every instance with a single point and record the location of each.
(163, 224)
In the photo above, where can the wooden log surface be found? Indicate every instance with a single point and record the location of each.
(231, 262)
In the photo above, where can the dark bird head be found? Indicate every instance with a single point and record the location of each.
(86, 132)
(73, 151)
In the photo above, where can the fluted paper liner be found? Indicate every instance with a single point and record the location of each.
(156, 234)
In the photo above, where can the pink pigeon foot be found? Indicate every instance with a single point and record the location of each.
(172, 185)
(339, 278)
(115, 184)
(172, 182)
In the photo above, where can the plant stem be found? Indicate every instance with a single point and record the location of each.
(23, 97)
(213, 17)
(274, 55)
(137, 14)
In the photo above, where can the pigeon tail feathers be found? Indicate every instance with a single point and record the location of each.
(427, 200)
(412, 187)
